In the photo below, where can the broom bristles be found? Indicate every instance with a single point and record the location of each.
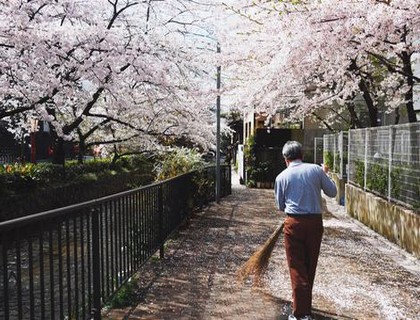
(257, 264)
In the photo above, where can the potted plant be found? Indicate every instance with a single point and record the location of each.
(261, 172)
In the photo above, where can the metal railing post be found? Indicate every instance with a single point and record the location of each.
(367, 134)
(5, 279)
(230, 179)
(217, 191)
(349, 166)
(160, 209)
(390, 144)
(96, 270)
(334, 170)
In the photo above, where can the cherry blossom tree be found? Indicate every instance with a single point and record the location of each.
(103, 71)
(306, 55)
(137, 74)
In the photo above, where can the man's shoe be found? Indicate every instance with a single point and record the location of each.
(292, 317)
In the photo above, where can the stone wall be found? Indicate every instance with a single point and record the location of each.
(397, 224)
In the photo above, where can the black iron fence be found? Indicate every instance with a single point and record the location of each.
(30, 200)
(9, 154)
(67, 263)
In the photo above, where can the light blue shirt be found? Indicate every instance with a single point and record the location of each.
(298, 188)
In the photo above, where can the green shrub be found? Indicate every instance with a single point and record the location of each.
(202, 188)
(395, 183)
(377, 178)
(178, 161)
(88, 177)
(20, 178)
(329, 159)
(125, 296)
(337, 166)
(259, 173)
(360, 173)
(250, 155)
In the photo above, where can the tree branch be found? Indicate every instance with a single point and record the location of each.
(392, 67)
(93, 129)
(323, 121)
(112, 141)
(118, 12)
(33, 14)
(45, 99)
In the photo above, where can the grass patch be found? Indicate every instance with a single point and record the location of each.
(126, 296)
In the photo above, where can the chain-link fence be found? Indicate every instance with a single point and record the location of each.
(335, 153)
(318, 150)
(385, 161)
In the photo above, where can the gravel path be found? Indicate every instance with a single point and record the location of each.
(360, 275)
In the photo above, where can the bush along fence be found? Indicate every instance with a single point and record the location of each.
(335, 153)
(385, 161)
(69, 262)
(27, 188)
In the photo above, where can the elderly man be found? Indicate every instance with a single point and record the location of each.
(298, 194)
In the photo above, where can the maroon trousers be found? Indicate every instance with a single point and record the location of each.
(302, 240)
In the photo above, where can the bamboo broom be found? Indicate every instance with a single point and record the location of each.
(257, 264)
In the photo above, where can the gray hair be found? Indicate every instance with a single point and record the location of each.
(292, 150)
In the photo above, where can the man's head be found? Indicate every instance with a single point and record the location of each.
(292, 150)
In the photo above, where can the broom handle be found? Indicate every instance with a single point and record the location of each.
(280, 227)
(276, 232)
(274, 236)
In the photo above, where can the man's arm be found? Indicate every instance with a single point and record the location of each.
(328, 185)
(279, 196)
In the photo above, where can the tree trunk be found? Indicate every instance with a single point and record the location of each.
(372, 109)
(58, 151)
(82, 147)
(354, 119)
(408, 70)
(397, 115)
(58, 143)
(363, 86)
(115, 157)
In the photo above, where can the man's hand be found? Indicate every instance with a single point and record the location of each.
(325, 168)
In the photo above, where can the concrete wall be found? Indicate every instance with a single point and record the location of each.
(397, 224)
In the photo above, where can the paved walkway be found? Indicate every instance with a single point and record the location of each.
(360, 275)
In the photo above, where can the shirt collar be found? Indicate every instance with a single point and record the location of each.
(295, 163)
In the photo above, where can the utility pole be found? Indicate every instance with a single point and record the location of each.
(34, 129)
(218, 131)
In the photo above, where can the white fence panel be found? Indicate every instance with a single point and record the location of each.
(385, 161)
(335, 153)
